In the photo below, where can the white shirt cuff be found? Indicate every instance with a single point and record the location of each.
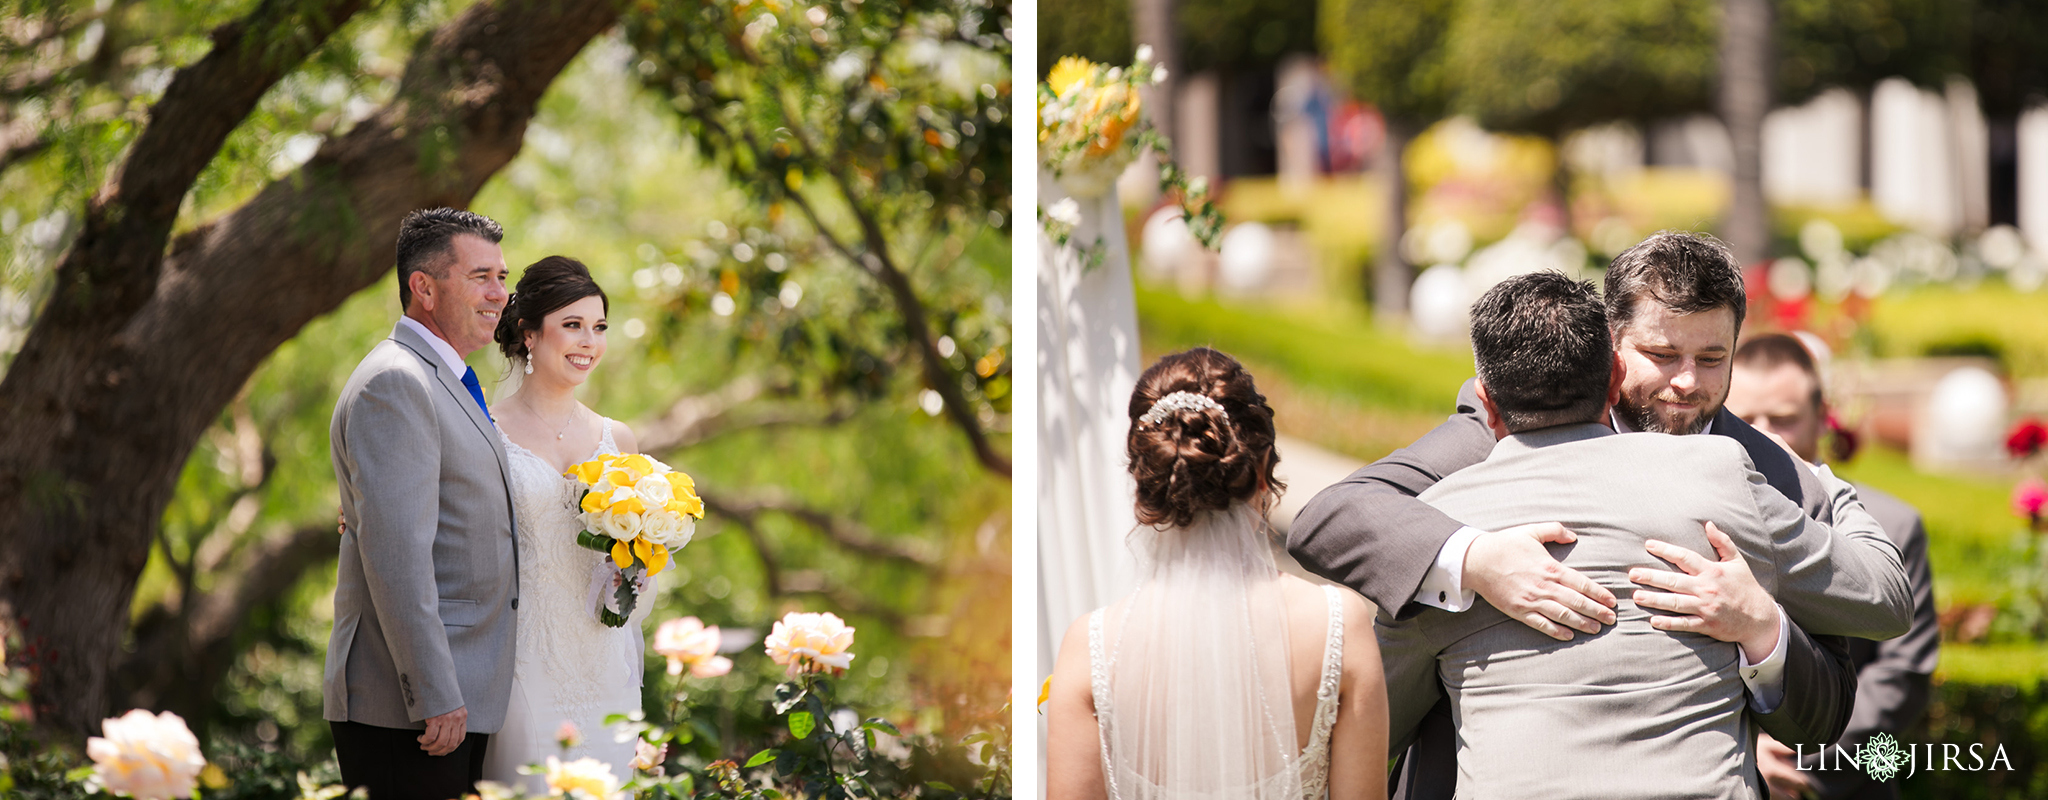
(1444, 585)
(1766, 678)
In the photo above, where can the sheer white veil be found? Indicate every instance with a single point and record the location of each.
(1195, 668)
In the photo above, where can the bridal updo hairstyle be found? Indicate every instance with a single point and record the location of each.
(544, 288)
(1203, 459)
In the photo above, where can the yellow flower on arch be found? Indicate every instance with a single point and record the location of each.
(1070, 70)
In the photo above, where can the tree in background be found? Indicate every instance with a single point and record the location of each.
(1743, 97)
(1548, 69)
(1394, 55)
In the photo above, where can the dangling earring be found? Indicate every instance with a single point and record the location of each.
(529, 364)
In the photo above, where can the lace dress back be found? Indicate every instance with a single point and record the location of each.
(567, 665)
(1310, 769)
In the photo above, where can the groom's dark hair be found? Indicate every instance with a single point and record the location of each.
(423, 242)
(1540, 343)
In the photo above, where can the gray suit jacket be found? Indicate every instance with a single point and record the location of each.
(1370, 533)
(427, 590)
(1893, 677)
(1664, 710)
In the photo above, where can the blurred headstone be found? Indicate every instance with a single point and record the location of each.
(1249, 249)
(1198, 127)
(1912, 174)
(1168, 245)
(1438, 303)
(1963, 423)
(1812, 152)
(2033, 177)
(1301, 111)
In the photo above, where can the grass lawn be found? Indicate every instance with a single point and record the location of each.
(1973, 540)
(2021, 665)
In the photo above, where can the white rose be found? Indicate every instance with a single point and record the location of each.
(661, 527)
(1065, 210)
(654, 490)
(147, 756)
(622, 526)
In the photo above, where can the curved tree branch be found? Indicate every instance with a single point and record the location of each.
(846, 533)
(784, 583)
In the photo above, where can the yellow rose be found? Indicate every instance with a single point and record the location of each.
(586, 778)
(688, 642)
(587, 472)
(625, 500)
(1070, 71)
(147, 756)
(641, 466)
(810, 643)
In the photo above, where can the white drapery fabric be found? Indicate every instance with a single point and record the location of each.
(1088, 363)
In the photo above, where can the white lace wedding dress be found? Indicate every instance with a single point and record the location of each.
(568, 666)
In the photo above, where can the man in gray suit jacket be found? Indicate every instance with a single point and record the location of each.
(1674, 304)
(419, 667)
(1777, 388)
(1664, 709)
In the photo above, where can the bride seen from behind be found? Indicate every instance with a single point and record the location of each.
(568, 666)
(1220, 676)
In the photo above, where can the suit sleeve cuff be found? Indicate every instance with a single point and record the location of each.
(1766, 679)
(1444, 585)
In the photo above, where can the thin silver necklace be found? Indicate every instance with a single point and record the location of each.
(559, 431)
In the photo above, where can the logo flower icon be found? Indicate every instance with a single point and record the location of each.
(1882, 757)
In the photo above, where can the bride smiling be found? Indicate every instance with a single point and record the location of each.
(569, 668)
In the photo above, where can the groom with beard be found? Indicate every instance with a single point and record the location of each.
(1652, 713)
(1674, 303)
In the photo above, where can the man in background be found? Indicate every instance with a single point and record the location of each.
(1777, 389)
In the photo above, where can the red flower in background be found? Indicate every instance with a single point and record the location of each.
(2026, 438)
(2029, 498)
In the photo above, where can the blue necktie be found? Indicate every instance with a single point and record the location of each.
(476, 390)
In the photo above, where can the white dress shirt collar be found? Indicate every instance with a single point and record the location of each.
(441, 347)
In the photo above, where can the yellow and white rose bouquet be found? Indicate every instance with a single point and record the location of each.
(638, 511)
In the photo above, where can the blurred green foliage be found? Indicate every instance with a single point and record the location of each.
(1550, 68)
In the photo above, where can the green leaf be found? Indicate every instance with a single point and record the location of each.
(941, 786)
(762, 757)
(883, 725)
(801, 724)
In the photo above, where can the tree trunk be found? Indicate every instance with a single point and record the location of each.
(139, 349)
(1391, 273)
(1153, 24)
(1745, 96)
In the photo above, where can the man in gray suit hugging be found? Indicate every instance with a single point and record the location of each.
(419, 667)
(1633, 710)
(1675, 302)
